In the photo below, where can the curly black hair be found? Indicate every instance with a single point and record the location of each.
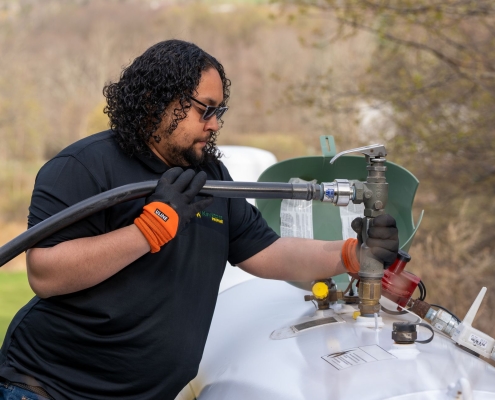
(166, 72)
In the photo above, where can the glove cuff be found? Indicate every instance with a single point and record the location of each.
(349, 258)
(158, 223)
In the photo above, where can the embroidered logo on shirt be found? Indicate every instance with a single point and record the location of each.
(214, 217)
(161, 215)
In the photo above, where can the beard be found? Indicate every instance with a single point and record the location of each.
(191, 157)
(187, 156)
(184, 157)
(180, 156)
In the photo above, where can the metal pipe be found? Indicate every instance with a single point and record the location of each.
(263, 190)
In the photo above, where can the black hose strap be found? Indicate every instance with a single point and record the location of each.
(425, 326)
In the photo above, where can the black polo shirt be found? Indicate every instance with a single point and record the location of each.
(139, 334)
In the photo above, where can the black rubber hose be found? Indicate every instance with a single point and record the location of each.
(85, 208)
(447, 310)
(72, 214)
(422, 290)
(428, 327)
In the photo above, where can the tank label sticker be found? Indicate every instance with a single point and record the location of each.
(296, 216)
(357, 356)
(347, 215)
(477, 341)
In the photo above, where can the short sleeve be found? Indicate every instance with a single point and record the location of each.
(61, 183)
(248, 231)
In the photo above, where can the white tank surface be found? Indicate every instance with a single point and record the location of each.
(260, 347)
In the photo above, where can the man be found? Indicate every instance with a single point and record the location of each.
(125, 297)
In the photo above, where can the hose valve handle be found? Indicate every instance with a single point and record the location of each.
(371, 151)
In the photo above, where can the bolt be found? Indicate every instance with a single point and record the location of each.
(368, 194)
(378, 205)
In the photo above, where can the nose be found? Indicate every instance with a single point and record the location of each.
(212, 124)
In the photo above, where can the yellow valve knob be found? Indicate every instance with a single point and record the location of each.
(356, 314)
(320, 290)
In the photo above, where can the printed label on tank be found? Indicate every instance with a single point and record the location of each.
(477, 341)
(357, 356)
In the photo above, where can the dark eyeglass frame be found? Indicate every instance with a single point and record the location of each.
(210, 111)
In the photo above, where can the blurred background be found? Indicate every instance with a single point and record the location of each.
(417, 76)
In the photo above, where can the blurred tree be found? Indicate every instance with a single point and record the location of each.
(56, 56)
(430, 83)
(97, 121)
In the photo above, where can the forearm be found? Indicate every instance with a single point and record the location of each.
(295, 259)
(81, 263)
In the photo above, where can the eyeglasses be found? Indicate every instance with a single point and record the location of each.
(210, 111)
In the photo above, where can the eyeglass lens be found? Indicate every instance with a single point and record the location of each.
(211, 111)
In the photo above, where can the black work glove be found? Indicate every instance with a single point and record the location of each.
(168, 209)
(177, 188)
(383, 238)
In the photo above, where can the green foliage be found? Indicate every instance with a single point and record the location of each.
(14, 293)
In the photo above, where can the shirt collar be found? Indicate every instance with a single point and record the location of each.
(152, 162)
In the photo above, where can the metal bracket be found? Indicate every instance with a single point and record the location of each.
(328, 148)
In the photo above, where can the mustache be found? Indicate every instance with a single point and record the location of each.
(206, 139)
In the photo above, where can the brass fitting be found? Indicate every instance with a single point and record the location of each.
(370, 291)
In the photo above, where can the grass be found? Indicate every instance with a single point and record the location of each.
(14, 293)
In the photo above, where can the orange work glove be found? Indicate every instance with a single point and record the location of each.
(169, 208)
